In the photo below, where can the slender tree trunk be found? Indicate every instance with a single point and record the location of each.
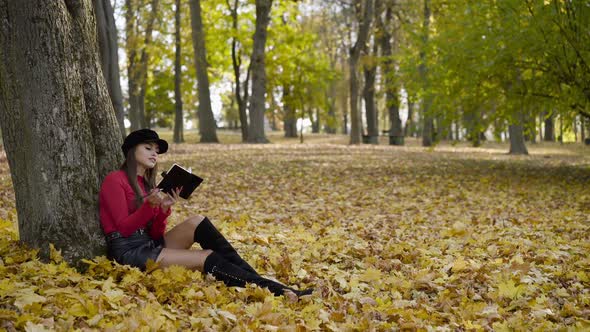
(575, 128)
(107, 41)
(131, 49)
(59, 127)
(315, 121)
(541, 117)
(207, 125)
(137, 68)
(517, 145)
(237, 63)
(257, 102)
(345, 112)
(396, 134)
(290, 119)
(144, 117)
(471, 120)
(409, 128)
(355, 53)
(330, 126)
(178, 117)
(369, 96)
(560, 137)
(582, 129)
(550, 128)
(344, 102)
(428, 125)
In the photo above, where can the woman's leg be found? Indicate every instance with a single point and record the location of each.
(200, 229)
(182, 235)
(210, 238)
(191, 259)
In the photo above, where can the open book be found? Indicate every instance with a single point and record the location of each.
(178, 176)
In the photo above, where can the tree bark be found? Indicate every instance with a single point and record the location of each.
(178, 116)
(109, 56)
(355, 53)
(59, 128)
(207, 125)
(517, 145)
(236, 57)
(257, 102)
(428, 126)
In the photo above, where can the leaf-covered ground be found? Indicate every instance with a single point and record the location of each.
(451, 238)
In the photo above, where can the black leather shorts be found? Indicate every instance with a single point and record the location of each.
(135, 250)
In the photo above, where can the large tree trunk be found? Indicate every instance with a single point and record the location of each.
(517, 145)
(355, 53)
(58, 124)
(428, 125)
(207, 125)
(236, 63)
(257, 102)
(178, 117)
(109, 56)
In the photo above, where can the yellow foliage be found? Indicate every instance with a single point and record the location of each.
(391, 239)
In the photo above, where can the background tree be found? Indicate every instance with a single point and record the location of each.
(428, 125)
(385, 25)
(237, 58)
(365, 12)
(257, 101)
(207, 125)
(138, 40)
(178, 116)
(109, 56)
(58, 124)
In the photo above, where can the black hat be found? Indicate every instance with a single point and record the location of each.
(143, 136)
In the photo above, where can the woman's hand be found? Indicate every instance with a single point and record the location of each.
(154, 198)
(168, 201)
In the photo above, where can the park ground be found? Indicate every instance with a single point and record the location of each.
(392, 238)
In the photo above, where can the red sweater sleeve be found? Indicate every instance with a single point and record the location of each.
(159, 224)
(114, 210)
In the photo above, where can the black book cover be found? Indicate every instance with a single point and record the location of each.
(179, 177)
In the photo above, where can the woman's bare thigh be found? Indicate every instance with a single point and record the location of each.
(191, 259)
(182, 235)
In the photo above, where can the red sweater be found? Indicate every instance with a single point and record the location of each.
(118, 211)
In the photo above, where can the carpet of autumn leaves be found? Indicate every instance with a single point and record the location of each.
(391, 238)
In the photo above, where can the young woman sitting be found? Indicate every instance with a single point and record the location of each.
(133, 215)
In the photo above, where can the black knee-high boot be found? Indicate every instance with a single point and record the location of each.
(234, 276)
(210, 238)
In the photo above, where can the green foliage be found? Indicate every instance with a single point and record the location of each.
(500, 60)
(295, 60)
